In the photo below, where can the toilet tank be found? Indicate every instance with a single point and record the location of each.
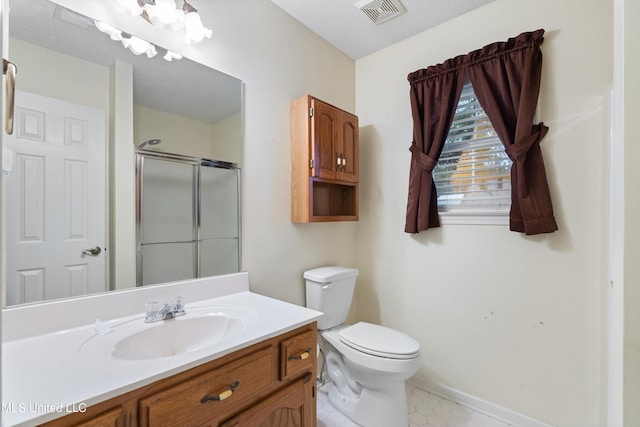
(330, 290)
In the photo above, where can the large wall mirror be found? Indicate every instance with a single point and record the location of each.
(94, 126)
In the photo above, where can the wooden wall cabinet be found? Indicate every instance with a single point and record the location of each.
(268, 384)
(324, 156)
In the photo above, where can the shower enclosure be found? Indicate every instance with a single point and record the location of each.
(187, 217)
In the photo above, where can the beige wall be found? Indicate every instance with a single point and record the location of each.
(517, 321)
(67, 78)
(183, 135)
(179, 134)
(227, 141)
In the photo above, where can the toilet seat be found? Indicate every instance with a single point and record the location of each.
(379, 341)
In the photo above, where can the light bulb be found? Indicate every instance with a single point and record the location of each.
(170, 56)
(113, 32)
(130, 6)
(138, 46)
(194, 28)
(164, 13)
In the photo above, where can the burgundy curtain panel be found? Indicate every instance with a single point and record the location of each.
(506, 79)
(434, 97)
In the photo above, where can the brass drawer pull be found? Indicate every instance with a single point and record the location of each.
(222, 396)
(300, 356)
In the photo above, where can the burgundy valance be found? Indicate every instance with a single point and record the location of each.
(506, 80)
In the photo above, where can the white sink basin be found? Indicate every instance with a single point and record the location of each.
(177, 336)
(199, 328)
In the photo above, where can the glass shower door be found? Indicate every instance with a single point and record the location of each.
(219, 237)
(167, 221)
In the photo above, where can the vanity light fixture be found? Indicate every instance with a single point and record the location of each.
(136, 45)
(165, 14)
(162, 14)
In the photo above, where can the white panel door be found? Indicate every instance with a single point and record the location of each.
(56, 199)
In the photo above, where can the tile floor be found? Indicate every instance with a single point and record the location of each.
(425, 410)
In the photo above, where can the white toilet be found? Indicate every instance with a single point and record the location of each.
(368, 364)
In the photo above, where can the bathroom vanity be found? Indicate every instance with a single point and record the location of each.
(261, 372)
(268, 383)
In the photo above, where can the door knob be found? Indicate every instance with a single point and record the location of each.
(93, 251)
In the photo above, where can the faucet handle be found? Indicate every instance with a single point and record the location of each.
(152, 309)
(177, 301)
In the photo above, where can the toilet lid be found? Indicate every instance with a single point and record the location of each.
(380, 341)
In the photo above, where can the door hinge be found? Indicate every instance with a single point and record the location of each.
(311, 164)
(311, 112)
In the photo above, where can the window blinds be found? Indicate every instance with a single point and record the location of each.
(472, 176)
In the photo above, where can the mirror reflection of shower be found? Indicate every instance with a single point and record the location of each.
(149, 142)
(187, 213)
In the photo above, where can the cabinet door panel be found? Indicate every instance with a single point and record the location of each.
(325, 130)
(112, 418)
(349, 150)
(289, 407)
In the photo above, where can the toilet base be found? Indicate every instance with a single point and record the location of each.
(374, 408)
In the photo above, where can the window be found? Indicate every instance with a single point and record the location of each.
(474, 179)
(472, 176)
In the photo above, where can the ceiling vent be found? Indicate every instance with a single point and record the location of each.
(380, 11)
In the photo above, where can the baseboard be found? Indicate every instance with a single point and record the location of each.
(495, 411)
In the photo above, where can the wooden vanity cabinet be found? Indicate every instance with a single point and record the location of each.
(269, 384)
(324, 169)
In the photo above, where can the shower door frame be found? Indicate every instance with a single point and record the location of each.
(198, 162)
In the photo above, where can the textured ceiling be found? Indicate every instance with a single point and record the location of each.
(345, 26)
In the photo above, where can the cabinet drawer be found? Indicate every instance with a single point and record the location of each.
(211, 396)
(296, 354)
(112, 418)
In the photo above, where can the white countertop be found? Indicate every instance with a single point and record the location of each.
(46, 375)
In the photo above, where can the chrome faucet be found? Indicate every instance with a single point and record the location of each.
(156, 311)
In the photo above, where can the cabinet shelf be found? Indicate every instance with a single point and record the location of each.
(333, 201)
